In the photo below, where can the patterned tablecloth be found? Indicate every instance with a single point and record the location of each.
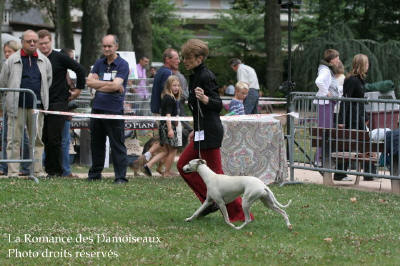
(255, 148)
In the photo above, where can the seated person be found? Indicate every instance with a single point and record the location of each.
(236, 106)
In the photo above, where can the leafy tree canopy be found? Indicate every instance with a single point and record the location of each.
(167, 28)
(369, 19)
(237, 33)
(249, 6)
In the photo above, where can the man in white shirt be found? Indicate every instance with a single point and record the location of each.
(247, 74)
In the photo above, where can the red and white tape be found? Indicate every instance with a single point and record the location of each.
(254, 117)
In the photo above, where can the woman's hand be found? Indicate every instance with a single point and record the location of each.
(191, 136)
(200, 95)
(170, 133)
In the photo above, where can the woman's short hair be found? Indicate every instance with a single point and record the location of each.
(12, 45)
(330, 54)
(196, 48)
(360, 62)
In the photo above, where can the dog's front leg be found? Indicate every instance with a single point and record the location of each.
(205, 204)
(224, 211)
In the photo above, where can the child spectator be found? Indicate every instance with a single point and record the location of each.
(236, 106)
(170, 139)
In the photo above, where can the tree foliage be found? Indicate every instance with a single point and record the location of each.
(238, 33)
(250, 6)
(369, 19)
(167, 28)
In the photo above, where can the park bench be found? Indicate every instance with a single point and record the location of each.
(345, 145)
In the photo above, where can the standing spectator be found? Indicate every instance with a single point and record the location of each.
(168, 133)
(247, 74)
(108, 77)
(141, 89)
(203, 94)
(9, 48)
(327, 87)
(352, 114)
(59, 95)
(236, 105)
(27, 68)
(171, 64)
(152, 72)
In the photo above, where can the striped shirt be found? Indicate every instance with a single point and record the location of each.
(236, 106)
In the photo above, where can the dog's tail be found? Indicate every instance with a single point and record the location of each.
(275, 200)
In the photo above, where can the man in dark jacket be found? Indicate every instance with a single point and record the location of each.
(59, 95)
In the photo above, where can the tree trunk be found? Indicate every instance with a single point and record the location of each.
(94, 27)
(1, 23)
(273, 38)
(142, 32)
(120, 23)
(64, 26)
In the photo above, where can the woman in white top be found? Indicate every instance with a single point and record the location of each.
(327, 87)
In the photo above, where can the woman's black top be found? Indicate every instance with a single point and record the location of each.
(208, 119)
(352, 114)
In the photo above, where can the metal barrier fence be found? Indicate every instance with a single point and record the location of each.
(137, 98)
(345, 136)
(18, 133)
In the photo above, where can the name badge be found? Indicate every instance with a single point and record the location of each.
(107, 76)
(199, 135)
(113, 74)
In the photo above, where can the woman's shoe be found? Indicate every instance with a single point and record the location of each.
(339, 177)
(147, 170)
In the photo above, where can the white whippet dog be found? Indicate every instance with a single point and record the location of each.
(223, 189)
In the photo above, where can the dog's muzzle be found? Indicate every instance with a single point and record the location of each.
(186, 169)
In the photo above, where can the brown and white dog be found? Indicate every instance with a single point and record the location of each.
(223, 189)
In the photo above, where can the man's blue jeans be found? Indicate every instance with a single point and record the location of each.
(251, 102)
(65, 141)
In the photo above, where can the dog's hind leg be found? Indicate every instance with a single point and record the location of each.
(246, 209)
(205, 204)
(268, 202)
(222, 207)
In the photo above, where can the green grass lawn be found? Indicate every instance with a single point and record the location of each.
(329, 228)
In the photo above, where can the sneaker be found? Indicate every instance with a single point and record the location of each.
(147, 170)
(147, 156)
(347, 179)
(210, 209)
